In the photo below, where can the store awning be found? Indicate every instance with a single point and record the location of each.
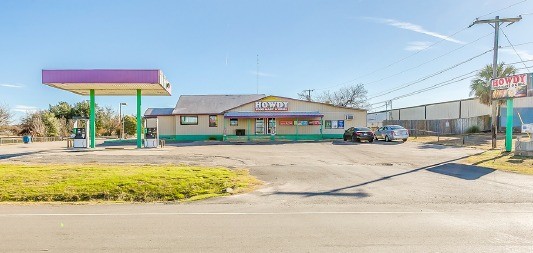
(273, 114)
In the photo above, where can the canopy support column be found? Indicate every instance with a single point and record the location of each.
(249, 133)
(321, 130)
(296, 137)
(92, 119)
(139, 120)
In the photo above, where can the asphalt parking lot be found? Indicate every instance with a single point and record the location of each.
(317, 197)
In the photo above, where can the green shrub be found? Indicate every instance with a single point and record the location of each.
(473, 129)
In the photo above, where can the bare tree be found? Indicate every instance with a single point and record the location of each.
(5, 115)
(352, 96)
(33, 124)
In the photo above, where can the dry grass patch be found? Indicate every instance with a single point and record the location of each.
(505, 161)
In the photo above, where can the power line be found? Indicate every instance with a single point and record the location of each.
(436, 58)
(441, 84)
(509, 6)
(432, 75)
(517, 54)
(398, 61)
(421, 50)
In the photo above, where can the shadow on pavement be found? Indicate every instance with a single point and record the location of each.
(446, 168)
(8, 156)
(463, 171)
(211, 143)
(437, 146)
(335, 194)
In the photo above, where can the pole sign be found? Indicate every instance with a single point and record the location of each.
(272, 106)
(511, 87)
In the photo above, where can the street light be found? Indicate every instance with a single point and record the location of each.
(121, 121)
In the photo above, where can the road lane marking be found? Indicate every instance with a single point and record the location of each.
(239, 213)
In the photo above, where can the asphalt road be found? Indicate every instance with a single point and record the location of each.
(317, 197)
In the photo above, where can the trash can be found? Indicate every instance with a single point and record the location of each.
(26, 139)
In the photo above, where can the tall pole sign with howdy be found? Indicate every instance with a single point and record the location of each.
(508, 88)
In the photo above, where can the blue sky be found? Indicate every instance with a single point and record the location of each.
(210, 47)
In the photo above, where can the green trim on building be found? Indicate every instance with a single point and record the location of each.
(191, 137)
(277, 137)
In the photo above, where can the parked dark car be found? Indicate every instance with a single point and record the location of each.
(358, 134)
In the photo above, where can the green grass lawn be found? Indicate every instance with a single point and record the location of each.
(70, 183)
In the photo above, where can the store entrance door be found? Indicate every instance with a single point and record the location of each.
(265, 126)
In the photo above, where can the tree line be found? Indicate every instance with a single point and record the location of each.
(58, 120)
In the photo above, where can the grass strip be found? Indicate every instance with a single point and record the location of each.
(505, 161)
(71, 183)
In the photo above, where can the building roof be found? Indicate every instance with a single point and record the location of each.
(153, 112)
(212, 104)
(272, 114)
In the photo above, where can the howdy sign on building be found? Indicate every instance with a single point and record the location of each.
(510, 87)
(272, 106)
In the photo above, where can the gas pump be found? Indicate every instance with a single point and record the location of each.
(80, 133)
(151, 135)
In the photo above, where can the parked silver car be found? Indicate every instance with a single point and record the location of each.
(391, 132)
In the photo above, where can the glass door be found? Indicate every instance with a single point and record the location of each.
(271, 126)
(259, 126)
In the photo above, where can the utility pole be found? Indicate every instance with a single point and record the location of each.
(257, 75)
(494, 104)
(308, 94)
(387, 109)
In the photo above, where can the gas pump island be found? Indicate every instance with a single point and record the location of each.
(110, 82)
(79, 133)
(151, 135)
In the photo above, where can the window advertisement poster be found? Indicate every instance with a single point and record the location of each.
(340, 124)
(327, 124)
(511, 87)
(286, 122)
(314, 122)
(213, 121)
(302, 122)
(334, 124)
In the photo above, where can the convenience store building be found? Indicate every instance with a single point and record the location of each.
(253, 117)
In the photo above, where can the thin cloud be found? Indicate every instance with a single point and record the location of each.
(262, 74)
(414, 28)
(417, 45)
(25, 108)
(9, 85)
(525, 55)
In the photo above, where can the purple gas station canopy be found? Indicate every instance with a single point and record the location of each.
(111, 82)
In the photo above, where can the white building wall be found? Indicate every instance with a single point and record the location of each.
(443, 111)
(473, 108)
(413, 113)
(167, 125)
(202, 128)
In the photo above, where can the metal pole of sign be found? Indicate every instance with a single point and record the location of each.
(509, 126)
